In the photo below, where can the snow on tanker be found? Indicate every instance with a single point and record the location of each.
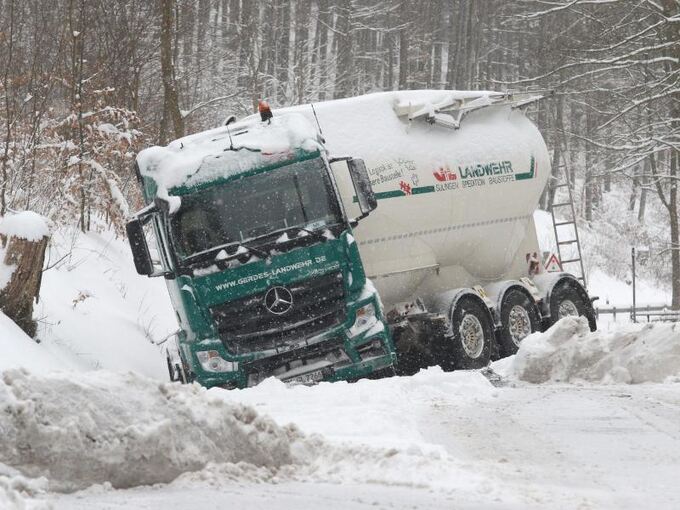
(347, 238)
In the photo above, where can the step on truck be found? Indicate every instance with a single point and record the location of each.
(351, 238)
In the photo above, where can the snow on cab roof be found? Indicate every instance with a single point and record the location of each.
(212, 154)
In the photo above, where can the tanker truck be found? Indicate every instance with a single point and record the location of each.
(350, 238)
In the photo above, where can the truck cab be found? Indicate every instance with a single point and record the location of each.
(258, 254)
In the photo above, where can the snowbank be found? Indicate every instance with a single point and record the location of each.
(570, 352)
(387, 407)
(372, 431)
(96, 312)
(19, 493)
(106, 429)
(25, 225)
(19, 350)
(79, 430)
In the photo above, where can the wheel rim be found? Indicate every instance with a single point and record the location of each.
(519, 324)
(471, 336)
(567, 308)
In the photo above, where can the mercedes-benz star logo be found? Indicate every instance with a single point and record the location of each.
(278, 300)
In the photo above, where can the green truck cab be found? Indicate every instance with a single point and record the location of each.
(257, 251)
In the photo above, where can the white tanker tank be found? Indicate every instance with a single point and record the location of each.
(455, 206)
(452, 245)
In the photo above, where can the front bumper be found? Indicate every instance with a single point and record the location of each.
(332, 356)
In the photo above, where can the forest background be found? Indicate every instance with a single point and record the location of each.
(86, 84)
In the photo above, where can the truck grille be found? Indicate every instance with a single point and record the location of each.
(246, 325)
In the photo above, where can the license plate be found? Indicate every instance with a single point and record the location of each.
(309, 378)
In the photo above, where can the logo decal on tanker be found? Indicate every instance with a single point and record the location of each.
(478, 174)
(531, 173)
(390, 171)
(445, 174)
(495, 173)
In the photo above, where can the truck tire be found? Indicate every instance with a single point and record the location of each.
(412, 352)
(409, 355)
(473, 336)
(569, 299)
(519, 318)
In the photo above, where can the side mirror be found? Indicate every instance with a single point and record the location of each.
(140, 249)
(362, 186)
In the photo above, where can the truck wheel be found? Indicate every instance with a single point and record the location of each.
(567, 301)
(411, 354)
(519, 318)
(472, 334)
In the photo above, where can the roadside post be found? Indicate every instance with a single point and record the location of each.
(632, 313)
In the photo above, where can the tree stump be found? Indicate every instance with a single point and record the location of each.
(26, 257)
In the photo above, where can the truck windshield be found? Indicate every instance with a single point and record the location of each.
(296, 195)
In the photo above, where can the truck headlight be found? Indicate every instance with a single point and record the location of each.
(365, 319)
(211, 361)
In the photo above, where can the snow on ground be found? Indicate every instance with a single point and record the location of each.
(19, 350)
(550, 435)
(613, 292)
(434, 440)
(19, 492)
(82, 429)
(386, 406)
(96, 312)
(444, 441)
(122, 431)
(569, 351)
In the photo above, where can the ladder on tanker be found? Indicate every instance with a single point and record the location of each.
(563, 217)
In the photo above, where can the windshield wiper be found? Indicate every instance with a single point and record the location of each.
(205, 253)
(315, 233)
(255, 251)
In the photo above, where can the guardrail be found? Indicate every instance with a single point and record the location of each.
(652, 313)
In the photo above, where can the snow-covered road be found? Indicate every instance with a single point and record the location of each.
(529, 446)
(569, 446)
(559, 425)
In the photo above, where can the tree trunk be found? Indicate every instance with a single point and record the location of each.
(171, 112)
(344, 77)
(588, 185)
(452, 48)
(437, 44)
(16, 298)
(389, 41)
(8, 110)
(643, 195)
(671, 9)
(403, 59)
(559, 157)
(635, 184)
